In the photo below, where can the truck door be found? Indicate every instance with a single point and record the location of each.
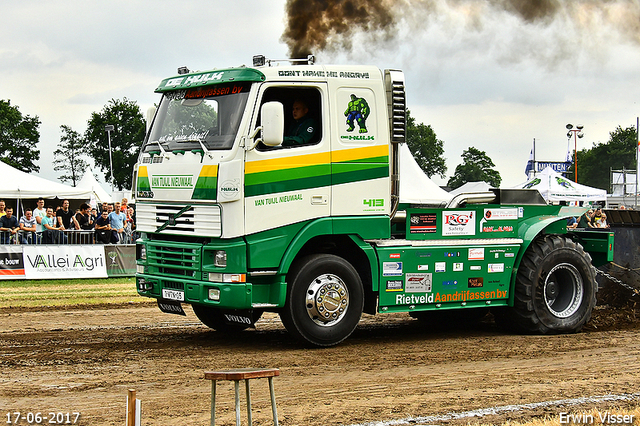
(360, 151)
(292, 183)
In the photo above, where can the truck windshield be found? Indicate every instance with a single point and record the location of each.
(206, 116)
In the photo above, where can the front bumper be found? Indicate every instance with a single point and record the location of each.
(264, 295)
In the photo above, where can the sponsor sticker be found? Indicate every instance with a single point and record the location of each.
(441, 266)
(458, 223)
(418, 283)
(423, 267)
(495, 267)
(172, 182)
(476, 282)
(475, 268)
(391, 269)
(394, 285)
(501, 214)
(476, 254)
(457, 267)
(504, 228)
(413, 299)
(423, 223)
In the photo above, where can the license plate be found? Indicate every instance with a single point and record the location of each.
(173, 295)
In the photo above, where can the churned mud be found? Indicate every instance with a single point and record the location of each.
(392, 367)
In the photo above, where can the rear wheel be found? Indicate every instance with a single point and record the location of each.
(226, 320)
(555, 288)
(325, 300)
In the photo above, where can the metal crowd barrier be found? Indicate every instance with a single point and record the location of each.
(66, 237)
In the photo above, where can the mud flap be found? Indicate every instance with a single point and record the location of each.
(242, 317)
(171, 307)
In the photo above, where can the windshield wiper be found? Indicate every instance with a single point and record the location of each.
(162, 151)
(204, 148)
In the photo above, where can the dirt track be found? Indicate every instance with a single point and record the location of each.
(390, 368)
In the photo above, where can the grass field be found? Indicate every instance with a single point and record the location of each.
(49, 293)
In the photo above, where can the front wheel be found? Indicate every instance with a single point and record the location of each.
(325, 300)
(555, 288)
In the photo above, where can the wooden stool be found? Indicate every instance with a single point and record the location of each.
(245, 374)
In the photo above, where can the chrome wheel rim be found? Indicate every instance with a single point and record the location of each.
(327, 300)
(563, 290)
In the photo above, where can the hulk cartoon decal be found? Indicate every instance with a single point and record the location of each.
(358, 110)
(532, 183)
(564, 183)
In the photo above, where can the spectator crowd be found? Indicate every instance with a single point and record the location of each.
(110, 224)
(592, 218)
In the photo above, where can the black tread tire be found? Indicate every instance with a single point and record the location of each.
(307, 278)
(555, 289)
(214, 318)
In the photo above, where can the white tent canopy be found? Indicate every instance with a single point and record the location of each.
(19, 185)
(554, 188)
(90, 183)
(471, 187)
(415, 186)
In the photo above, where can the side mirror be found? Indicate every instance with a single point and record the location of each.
(272, 123)
(151, 113)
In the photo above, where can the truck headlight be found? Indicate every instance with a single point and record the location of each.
(214, 294)
(218, 277)
(144, 285)
(141, 252)
(220, 259)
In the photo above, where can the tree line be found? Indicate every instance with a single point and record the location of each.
(19, 136)
(594, 164)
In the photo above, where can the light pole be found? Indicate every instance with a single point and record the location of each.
(109, 128)
(577, 133)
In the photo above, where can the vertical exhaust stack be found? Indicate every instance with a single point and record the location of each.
(397, 107)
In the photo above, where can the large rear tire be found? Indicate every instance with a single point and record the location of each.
(325, 300)
(226, 321)
(555, 289)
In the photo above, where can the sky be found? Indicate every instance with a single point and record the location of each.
(476, 71)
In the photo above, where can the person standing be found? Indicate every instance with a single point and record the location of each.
(53, 232)
(585, 220)
(596, 219)
(28, 227)
(39, 212)
(65, 217)
(85, 221)
(103, 228)
(8, 226)
(117, 219)
(84, 218)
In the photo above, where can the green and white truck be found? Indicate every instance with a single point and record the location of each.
(236, 224)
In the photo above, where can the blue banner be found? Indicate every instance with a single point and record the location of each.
(556, 166)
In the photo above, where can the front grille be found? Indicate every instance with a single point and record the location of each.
(174, 285)
(179, 219)
(171, 259)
